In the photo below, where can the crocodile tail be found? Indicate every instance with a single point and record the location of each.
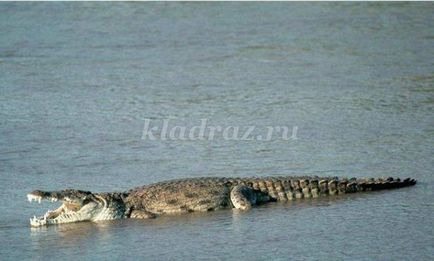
(316, 187)
(289, 188)
(377, 184)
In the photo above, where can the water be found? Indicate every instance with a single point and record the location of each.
(78, 79)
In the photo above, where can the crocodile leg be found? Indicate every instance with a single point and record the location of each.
(141, 214)
(243, 197)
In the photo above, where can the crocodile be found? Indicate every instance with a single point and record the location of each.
(197, 194)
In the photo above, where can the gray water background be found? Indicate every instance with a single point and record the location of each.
(78, 79)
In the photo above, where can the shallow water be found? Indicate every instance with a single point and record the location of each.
(78, 80)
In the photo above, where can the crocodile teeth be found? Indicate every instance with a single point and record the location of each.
(36, 222)
(31, 198)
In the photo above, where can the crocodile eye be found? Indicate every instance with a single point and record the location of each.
(85, 200)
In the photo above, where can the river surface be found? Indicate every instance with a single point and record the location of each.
(78, 80)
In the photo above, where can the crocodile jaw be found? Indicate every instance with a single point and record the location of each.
(71, 210)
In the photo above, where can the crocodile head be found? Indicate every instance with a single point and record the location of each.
(78, 205)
